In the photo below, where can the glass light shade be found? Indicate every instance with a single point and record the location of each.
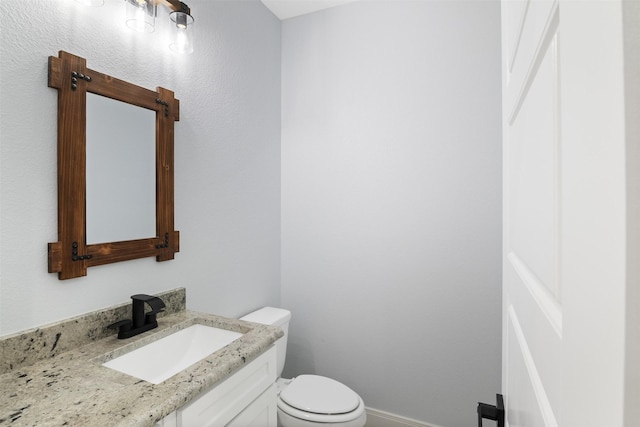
(182, 38)
(92, 3)
(141, 15)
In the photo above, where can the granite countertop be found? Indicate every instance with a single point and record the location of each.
(71, 388)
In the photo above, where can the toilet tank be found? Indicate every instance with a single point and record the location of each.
(274, 317)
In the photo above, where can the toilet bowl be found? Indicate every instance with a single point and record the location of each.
(309, 400)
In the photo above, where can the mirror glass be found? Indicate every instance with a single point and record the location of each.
(121, 171)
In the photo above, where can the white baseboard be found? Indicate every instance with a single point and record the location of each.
(376, 418)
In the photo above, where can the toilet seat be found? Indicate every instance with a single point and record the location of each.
(320, 399)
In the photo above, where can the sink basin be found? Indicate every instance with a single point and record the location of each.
(162, 359)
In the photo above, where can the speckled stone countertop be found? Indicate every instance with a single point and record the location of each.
(52, 376)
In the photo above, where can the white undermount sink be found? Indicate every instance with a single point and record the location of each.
(162, 359)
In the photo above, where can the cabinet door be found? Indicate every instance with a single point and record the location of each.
(220, 405)
(262, 412)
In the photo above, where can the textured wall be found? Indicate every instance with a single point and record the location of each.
(391, 203)
(227, 168)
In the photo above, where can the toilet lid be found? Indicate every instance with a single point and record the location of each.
(320, 395)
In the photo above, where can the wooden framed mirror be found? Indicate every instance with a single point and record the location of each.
(73, 252)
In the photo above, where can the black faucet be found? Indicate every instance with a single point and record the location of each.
(140, 322)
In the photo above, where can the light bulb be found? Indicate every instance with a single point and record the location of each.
(182, 41)
(138, 22)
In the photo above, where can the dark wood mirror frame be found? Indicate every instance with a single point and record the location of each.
(70, 255)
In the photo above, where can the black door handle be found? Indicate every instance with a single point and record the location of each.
(492, 412)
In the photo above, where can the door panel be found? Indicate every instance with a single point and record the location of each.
(533, 189)
(538, 21)
(532, 296)
(542, 345)
(528, 404)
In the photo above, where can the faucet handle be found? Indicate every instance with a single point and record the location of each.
(150, 317)
(122, 325)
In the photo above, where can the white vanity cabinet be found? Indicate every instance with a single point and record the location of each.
(246, 398)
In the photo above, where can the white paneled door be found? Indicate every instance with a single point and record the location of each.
(564, 213)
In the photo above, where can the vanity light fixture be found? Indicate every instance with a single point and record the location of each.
(141, 14)
(183, 31)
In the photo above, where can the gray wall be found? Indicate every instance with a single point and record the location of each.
(391, 212)
(227, 168)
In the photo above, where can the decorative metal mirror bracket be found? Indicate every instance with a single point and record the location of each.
(74, 79)
(74, 253)
(166, 106)
(72, 169)
(165, 244)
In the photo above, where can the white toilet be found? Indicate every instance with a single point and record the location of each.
(309, 400)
